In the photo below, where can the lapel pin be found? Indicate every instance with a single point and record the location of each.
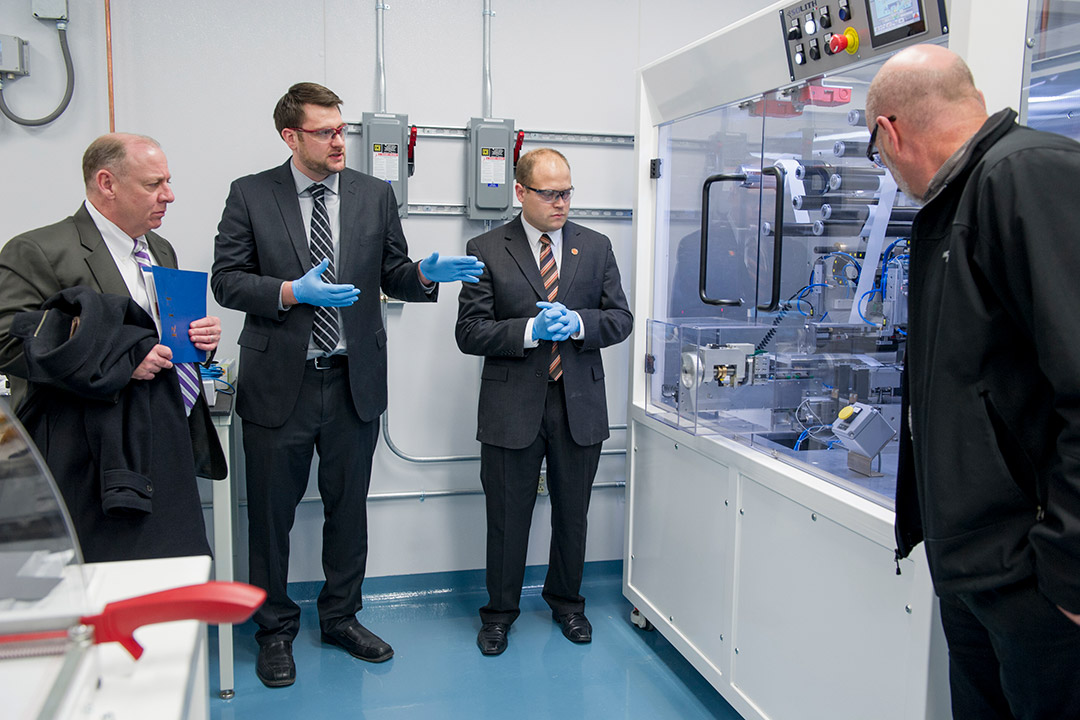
(573, 251)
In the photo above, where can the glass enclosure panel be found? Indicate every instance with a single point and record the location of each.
(41, 585)
(1052, 96)
(42, 589)
(723, 141)
(813, 379)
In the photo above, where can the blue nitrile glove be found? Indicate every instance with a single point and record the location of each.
(566, 326)
(561, 322)
(312, 290)
(549, 314)
(465, 268)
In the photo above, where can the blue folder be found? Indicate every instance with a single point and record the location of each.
(181, 298)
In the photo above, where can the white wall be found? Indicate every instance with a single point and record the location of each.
(202, 76)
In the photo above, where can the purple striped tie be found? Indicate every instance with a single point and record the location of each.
(186, 373)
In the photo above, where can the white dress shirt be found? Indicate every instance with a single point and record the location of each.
(122, 248)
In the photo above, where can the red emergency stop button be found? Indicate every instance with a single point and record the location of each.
(848, 40)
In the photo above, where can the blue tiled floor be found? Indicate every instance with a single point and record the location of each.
(438, 672)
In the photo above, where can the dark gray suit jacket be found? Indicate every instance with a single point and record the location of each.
(261, 243)
(40, 263)
(492, 316)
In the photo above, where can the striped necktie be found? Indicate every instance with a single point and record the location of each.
(186, 373)
(325, 328)
(549, 271)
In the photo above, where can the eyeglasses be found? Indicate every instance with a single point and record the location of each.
(872, 153)
(550, 196)
(326, 134)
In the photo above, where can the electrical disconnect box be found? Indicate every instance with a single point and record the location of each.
(490, 167)
(384, 152)
(51, 9)
(13, 56)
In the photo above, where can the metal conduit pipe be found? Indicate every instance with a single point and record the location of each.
(488, 14)
(380, 55)
(423, 495)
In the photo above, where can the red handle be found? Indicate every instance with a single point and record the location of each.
(212, 602)
(517, 146)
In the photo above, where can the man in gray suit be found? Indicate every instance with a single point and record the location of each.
(303, 249)
(542, 387)
(102, 247)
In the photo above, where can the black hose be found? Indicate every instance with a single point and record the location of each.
(67, 92)
(772, 331)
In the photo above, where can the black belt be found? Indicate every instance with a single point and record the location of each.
(325, 362)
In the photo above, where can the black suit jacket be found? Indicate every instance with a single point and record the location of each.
(493, 313)
(262, 242)
(40, 263)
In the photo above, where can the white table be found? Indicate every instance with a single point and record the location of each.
(169, 682)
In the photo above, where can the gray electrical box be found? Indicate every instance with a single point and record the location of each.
(862, 429)
(489, 183)
(13, 55)
(384, 152)
(51, 9)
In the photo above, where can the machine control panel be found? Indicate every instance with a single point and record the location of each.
(825, 35)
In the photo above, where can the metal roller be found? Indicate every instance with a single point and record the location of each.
(802, 170)
(852, 182)
(862, 213)
(854, 212)
(814, 202)
(849, 148)
(856, 118)
(903, 214)
(796, 229)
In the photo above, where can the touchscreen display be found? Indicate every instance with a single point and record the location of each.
(892, 20)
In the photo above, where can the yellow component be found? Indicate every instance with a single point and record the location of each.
(845, 412)
(852, 40)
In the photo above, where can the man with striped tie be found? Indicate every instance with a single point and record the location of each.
(105, 247)
(549, 300)
(303, 249)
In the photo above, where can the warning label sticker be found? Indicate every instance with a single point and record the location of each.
(492, 166)
(384, 161)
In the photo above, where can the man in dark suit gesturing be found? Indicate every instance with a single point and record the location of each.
(303, 250)
(549, 299)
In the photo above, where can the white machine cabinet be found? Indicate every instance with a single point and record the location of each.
(770, 288)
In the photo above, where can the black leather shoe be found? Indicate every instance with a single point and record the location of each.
(575, 626)
(492, 638)
(275, 665)
(359, 642)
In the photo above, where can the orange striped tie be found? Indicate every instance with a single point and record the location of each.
(549, 271)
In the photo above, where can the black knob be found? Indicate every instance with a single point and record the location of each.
(815, 52)
(794, 32)
(825, 19)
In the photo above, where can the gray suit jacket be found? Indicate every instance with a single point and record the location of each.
(493, 313)
(40, 263)
(261, 243)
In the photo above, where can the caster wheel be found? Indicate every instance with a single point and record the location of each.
(641, 621)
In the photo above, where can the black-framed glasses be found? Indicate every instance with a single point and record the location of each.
(326, 134)
(550, 196)
(872, 153)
